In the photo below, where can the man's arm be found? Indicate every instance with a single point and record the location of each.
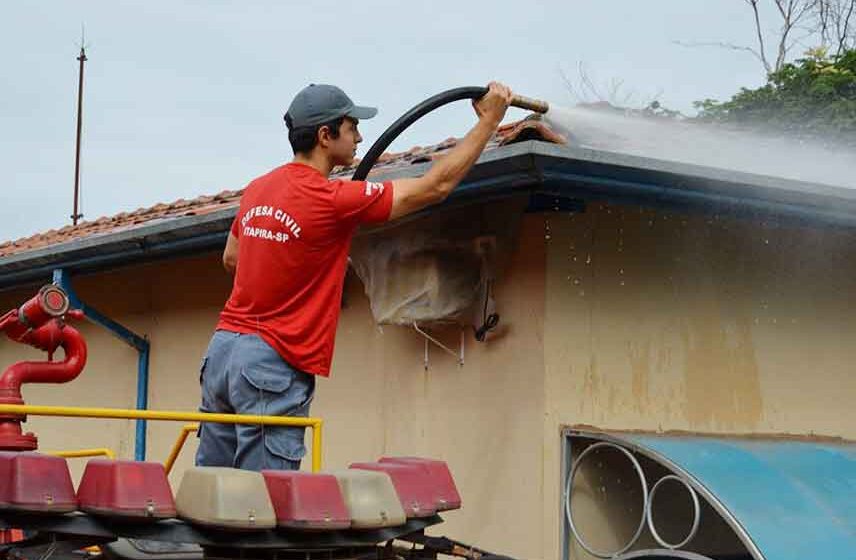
(230, 254)
(411, 195)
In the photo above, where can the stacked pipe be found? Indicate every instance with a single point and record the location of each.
(40, 323)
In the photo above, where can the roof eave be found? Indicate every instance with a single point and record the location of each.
(196, 234)
(530, 166)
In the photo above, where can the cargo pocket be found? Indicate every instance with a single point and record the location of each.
(267, 378)
(270, 394)
(285, 442)
(288, 442)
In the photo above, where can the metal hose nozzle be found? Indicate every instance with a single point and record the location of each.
(535, 105)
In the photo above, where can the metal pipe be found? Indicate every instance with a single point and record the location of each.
(80, 453)
(36, 323)
(76, 215)
(64, 336)
(140, 438)
(126, 335)
(316, 424)
(186, 430)
(316, 445)
(530, 104)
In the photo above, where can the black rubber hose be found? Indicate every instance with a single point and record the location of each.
(410, 117)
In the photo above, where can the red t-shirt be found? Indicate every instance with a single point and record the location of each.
(294, 228)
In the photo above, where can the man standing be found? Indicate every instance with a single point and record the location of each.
(288, 249)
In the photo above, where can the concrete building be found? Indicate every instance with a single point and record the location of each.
(638, 295)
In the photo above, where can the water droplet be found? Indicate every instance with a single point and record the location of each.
(576, 281)
(766, 242)
(588, 258)
(620, 271)
(582, 293)
(650, 223)
(547, 237)
(622, 282)
(574, 259)
(774, 320)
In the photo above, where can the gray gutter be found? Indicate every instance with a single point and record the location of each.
(532, 166)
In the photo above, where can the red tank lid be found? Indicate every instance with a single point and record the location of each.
(304, 500)
(34, 482)
(446, 495)
(413, 483)
(130, 489)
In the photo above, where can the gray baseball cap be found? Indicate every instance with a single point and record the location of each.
(320, 103)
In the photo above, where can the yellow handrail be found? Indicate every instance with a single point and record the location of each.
(131, 414)
(186, 430)
(78, 453)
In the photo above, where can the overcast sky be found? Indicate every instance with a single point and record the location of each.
(186, 98)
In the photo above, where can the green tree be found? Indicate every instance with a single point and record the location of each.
(812, 97)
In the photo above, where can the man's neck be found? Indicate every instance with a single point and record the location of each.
(316, 160)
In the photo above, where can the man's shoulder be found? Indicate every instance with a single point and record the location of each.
(290, 187)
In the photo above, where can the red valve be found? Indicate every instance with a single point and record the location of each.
(51, 302)
(39, 323)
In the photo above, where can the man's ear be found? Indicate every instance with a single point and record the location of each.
(324, 136)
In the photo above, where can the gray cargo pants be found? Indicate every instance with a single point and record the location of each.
(242, 374)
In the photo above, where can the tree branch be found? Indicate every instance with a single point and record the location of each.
(723, 45)
(760, 53)
(842, 34)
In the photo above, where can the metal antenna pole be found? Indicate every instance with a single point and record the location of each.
(76, 215)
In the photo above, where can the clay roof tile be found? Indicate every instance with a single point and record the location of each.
(506, 134)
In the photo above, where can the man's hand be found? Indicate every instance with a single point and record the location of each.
(494, 103)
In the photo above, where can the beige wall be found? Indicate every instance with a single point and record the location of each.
(660, 321)
(616, 317)
(174, 304)
(484, 418)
